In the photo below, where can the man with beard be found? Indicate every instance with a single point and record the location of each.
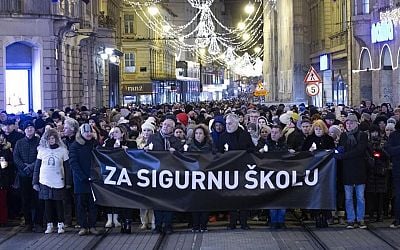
(235, 138)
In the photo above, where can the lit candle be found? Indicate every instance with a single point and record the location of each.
(226, 146)
(185, 147)
(265, 148)
(313, 147)
(150, 146)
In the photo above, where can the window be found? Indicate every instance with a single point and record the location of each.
(130, 62)
(365, 6)
(128, 22)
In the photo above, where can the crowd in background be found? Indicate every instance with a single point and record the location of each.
(45, 168)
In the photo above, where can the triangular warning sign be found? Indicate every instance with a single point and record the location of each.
(260, 86)
(312, 76)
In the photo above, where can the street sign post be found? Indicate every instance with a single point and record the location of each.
(312, 76)
(312, 89)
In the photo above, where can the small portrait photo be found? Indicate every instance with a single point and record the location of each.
(51, 161)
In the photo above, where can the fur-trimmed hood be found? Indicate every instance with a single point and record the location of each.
(79, 139)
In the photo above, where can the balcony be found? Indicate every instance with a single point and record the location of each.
(66, 8)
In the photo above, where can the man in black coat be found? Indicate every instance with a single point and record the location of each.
(164, 140)
(352, 151)
(80, 161)
(25, 154)
(236, 138)
(392, 147)
(71, 127)
(296, 139)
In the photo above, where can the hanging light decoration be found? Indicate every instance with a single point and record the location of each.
(229, 56)
(207, 37)
(200, 4)
(214, 48)
(205, 29)
(258, 67)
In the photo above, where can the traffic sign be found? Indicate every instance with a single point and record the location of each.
(260, 90)
(312, 76)
(312, 89)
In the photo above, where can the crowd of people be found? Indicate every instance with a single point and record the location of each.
(45, 168)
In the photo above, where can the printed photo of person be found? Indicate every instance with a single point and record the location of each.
(51, 161)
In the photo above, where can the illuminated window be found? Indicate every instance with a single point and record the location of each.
(128, 22)
(365, 6)
(130, 62)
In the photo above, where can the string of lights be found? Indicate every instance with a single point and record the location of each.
(205, 37)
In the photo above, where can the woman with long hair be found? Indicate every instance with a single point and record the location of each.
(50, 178)
(200, 142)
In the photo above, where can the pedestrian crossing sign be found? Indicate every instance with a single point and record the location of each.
(312, 76)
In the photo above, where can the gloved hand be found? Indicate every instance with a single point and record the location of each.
(338, 156)
(340, 149)
(36, 187)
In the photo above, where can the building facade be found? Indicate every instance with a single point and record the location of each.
(376, 49)
(148, 70)
(330, 50)
(49, 54)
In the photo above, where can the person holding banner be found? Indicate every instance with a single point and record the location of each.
(80, 161)
(164, 140)
(319, 140)
(146, 215)
(276, 143)
(119, 139)
(200, 142)
(236, 138)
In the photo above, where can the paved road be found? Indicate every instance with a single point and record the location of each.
(297, 236)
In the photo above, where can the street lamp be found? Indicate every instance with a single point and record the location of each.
(241, 25)
(249, 9)
(113, 57)
(153, 10)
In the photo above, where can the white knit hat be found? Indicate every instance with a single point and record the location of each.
(148, 125)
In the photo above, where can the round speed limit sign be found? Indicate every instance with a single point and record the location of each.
(312, 89)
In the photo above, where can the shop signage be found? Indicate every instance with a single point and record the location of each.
(391, 15)
(137, 88)
(382, 31)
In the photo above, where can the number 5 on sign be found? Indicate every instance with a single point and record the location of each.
(312, 89)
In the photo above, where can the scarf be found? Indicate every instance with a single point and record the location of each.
(351, 139)
(199, 145)
(166, 137)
